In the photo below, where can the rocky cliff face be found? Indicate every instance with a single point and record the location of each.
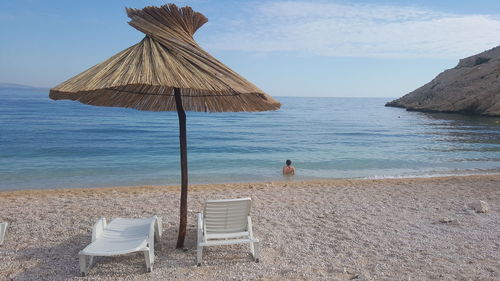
(472, 87)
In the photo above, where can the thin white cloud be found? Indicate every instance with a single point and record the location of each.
(356, 30)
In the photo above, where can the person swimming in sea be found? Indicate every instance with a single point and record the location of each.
(288, 169)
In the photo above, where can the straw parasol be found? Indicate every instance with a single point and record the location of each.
(166, 71)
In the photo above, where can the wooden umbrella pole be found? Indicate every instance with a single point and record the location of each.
(184, 168)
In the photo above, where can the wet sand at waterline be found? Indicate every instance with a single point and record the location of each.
(390, 229)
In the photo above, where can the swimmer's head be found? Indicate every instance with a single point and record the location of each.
(288, 162)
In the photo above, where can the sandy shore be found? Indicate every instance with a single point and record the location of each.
(314, 230)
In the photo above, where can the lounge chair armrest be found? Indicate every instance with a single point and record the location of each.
(158, 228)
(250, 227)
(3, 229)
(98, 228)
(154, 231)
(200, 221)
(199, 227)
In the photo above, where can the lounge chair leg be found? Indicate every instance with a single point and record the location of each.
(84, 267)
(149, 260)
(255, 251)
(199, 255)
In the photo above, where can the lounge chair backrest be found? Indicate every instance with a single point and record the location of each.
(227, 216)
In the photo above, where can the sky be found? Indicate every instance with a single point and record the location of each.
(365, 48)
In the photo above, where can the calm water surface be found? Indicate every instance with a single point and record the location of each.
(49, 144)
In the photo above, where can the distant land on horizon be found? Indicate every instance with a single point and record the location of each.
(14, 86)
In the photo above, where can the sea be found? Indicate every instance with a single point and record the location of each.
(65, 144)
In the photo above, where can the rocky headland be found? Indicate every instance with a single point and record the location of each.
(472, 87)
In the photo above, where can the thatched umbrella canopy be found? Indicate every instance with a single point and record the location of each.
(166, 71)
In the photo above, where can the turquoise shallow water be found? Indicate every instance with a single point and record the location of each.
(49, 144)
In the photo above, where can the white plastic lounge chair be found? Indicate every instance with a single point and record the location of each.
(122, 236)
(3, 229)
(226, 222)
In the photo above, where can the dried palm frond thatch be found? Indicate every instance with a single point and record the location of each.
(144, 75)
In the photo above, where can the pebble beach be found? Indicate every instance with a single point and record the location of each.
(387, 229)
